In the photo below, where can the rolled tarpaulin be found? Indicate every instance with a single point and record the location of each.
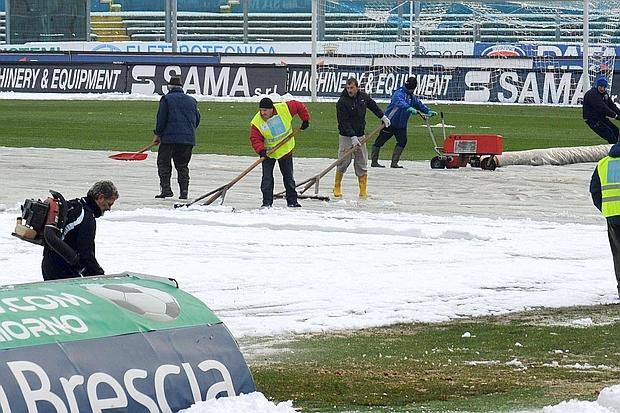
(554, 156)
(118, 343)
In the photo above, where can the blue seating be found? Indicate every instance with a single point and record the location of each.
(349, 20)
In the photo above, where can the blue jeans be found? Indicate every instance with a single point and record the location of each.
(286, 168)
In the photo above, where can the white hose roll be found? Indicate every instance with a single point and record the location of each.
(554, 156)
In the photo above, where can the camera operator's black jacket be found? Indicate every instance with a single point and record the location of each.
(79, 234)
(597, 106)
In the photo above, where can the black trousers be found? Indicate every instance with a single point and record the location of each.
(387, 133)
(605, 129)
(286, 168)
(613, 230)
(181, 155)
(54, 267)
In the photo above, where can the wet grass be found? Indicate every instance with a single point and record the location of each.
(519, 361)
(128, 125)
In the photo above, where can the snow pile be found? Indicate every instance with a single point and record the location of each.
(608, 402)
(246, 403)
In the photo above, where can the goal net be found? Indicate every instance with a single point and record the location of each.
(472, 51)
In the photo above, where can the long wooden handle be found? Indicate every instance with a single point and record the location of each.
(312, 181)
(147, 147)
(221, 190)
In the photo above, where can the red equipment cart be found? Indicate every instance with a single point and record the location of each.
(457, 151)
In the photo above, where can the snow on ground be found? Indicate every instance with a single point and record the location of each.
(427, 246)
(248, 403)
(269, 272)
(608, 401)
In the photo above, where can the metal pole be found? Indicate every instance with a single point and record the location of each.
(173, 24)
(246, 19)
(315, 30)
(87, 20)
(7, 21)
(167, 19)
(399, 32)
(585, 47)
(418, 6)
(411, 37)
(321, 20)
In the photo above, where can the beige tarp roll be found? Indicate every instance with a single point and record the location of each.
(554, 156)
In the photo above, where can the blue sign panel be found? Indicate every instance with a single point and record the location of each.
(166, 370)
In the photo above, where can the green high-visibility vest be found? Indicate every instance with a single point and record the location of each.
(609, 173)
(275, 129)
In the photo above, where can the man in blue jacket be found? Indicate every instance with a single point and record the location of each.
(597, 107)
(403, 104)
(175, 133)
(605, 190)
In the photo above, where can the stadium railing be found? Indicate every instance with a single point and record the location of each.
(445, 27)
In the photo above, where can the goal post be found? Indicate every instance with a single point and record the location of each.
(500, 48)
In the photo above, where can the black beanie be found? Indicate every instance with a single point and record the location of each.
(411, 83)
(265, 103)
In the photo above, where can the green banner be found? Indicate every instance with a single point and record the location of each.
(95, 307)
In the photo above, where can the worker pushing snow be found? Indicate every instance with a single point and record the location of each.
(351, 114)
(403, 104)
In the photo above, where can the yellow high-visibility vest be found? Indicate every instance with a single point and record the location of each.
(609, 173)
(275, 129)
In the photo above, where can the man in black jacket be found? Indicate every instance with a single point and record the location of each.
(351, 114)
(175, 133)
(597, 107)
(79, 234)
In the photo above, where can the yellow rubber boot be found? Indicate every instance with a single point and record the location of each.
(338, 184)
(363, 181)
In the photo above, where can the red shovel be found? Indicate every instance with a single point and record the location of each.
(133, 156)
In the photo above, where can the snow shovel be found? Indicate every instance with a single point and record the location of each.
(314, 181)
(133, 156)
(221, 191)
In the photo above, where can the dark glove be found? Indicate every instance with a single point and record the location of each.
(263, 153)
(304, 125)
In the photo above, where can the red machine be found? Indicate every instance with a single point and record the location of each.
(459, 150)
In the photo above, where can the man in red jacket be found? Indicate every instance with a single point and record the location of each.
(270, 126)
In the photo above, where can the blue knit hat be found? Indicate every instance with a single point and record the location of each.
(601, 81)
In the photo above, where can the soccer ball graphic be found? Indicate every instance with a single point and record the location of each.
(147, 302)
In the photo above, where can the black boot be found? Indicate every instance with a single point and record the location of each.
(398, 150)
(165, 193)
(375, 157)
(183, 190)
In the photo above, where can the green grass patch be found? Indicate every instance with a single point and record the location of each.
(127, 126)
(524, 360)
